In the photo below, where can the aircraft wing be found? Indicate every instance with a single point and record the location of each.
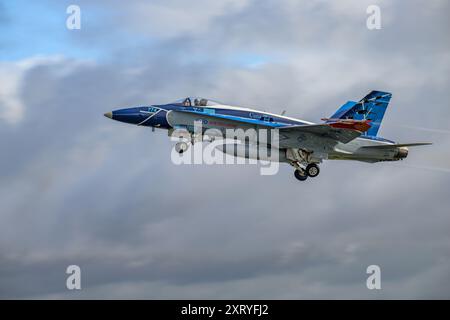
(333, 131)
(311, 136)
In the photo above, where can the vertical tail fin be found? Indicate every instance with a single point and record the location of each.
(371, 107)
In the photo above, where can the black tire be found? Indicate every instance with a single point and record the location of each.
(312, 170)
(300, 175)
(181, 147)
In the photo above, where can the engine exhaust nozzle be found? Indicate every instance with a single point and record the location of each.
(402, 153)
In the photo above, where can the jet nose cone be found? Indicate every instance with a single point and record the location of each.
(108, 115)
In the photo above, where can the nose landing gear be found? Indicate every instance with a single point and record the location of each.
(184, 138)
(181, 147)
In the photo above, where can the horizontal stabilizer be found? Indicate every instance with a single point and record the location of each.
(398, 145)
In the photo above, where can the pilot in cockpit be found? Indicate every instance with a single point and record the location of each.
(187, 102)
(196, 102)
(201, 102)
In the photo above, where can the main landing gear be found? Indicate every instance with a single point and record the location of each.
(312, 170)
(304, 164)
(300, 174)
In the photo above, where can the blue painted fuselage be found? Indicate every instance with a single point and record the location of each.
(156, 116)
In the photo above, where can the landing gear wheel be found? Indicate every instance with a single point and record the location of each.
(312, 170)
(181, 147)
(300, 175)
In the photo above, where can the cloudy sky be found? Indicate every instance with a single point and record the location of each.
(78, 188)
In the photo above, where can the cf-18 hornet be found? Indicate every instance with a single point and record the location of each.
(351, 133)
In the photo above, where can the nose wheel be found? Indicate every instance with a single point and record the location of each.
(181, 147)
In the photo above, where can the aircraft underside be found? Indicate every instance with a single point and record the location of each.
(306, 162)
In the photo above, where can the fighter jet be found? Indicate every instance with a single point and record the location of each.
(349, 134)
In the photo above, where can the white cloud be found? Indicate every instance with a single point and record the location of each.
(175, 18)
(11, 106)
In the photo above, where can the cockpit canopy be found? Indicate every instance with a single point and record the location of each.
(196, 102)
